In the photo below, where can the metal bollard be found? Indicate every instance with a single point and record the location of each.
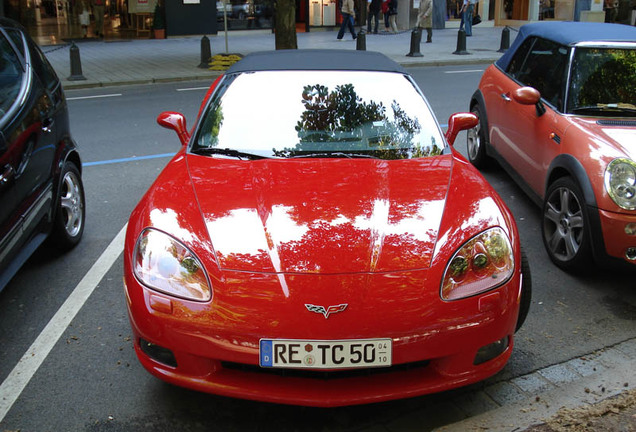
(361, 41)
(76, 64)
(505, 40)
(206, 52)
(416, 38)
(461, 43)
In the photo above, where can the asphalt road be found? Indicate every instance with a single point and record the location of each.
(89, 378)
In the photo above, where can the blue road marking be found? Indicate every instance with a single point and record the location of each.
(130, 159)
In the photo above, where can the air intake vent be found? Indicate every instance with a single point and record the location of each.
(624, 123)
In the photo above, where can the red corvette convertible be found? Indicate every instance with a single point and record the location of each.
(317, 241)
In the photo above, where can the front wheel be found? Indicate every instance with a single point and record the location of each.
(565, 225)
(68, 225)
(477, 140)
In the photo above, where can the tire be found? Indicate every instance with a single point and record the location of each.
(564, 227)
(526, 291)
(70, 211)
(477, 141)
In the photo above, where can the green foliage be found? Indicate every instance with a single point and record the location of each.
(603, 76)
(159, 18)
(339, 121)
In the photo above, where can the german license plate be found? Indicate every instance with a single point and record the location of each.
(320, 354)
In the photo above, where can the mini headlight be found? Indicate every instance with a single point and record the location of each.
(620, 183)
(482, 263)
(164, 264)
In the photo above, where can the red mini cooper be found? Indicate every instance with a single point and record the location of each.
(558, 112)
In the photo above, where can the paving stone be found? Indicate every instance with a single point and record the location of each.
(532, 383)
(628, 348)
(586, 367)
(559, 374)
(505, 393)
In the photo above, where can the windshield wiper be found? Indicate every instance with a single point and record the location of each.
(227, 152)
(334, 155)
(605, 108)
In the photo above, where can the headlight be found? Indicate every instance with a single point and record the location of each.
(162, 263)
(482, 263)
(620, 183)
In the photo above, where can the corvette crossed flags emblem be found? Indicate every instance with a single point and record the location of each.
(328, 311)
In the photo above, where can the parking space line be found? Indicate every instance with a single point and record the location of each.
(15, 383)
(93, 97)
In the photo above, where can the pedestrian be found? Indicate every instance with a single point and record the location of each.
(468, 17)
(375, 7)
(84, 17)
(385, 12)
(348, 15)
(425, 19)
(393, 10)
(98, 11)
(461, 14)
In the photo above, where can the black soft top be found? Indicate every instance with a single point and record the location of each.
(284, 60)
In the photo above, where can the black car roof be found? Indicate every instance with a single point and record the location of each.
(569, 33)
(316, 60)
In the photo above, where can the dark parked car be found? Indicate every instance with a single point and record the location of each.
(40, 169)
(558, 111)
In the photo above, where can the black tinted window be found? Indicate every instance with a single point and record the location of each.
(11, 75)
(544, 69)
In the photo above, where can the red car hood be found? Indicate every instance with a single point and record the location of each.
(619, 136)
(324, 216)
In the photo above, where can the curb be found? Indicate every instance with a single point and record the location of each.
(533, 398)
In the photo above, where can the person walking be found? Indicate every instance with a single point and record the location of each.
(84, 17)
(348, 15)
(425, 19)
(375, 6)
(468, 17)
(385, 12)
(393, 10)
(98, 11)
(461, 14)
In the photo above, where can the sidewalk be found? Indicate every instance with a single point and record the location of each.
(139, 61)
(495, 405)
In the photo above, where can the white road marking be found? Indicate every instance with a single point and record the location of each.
(193, 88)
(464, 71)
(15, 383)
(94, 97)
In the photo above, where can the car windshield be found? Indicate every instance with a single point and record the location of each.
(602, 82)
(292, 114)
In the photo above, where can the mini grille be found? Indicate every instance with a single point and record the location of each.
(325, 375)
(628, 123)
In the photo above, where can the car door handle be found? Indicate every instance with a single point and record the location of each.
(505, 97)
(8, 173)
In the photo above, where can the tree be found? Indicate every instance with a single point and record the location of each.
(285, 25)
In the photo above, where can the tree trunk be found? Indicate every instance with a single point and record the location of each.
(285, 26)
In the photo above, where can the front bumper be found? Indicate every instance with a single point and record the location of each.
(435, 344)
(618, 243)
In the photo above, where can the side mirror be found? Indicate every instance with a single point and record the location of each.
(459, 122)
(177, 122)
(529, 96)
